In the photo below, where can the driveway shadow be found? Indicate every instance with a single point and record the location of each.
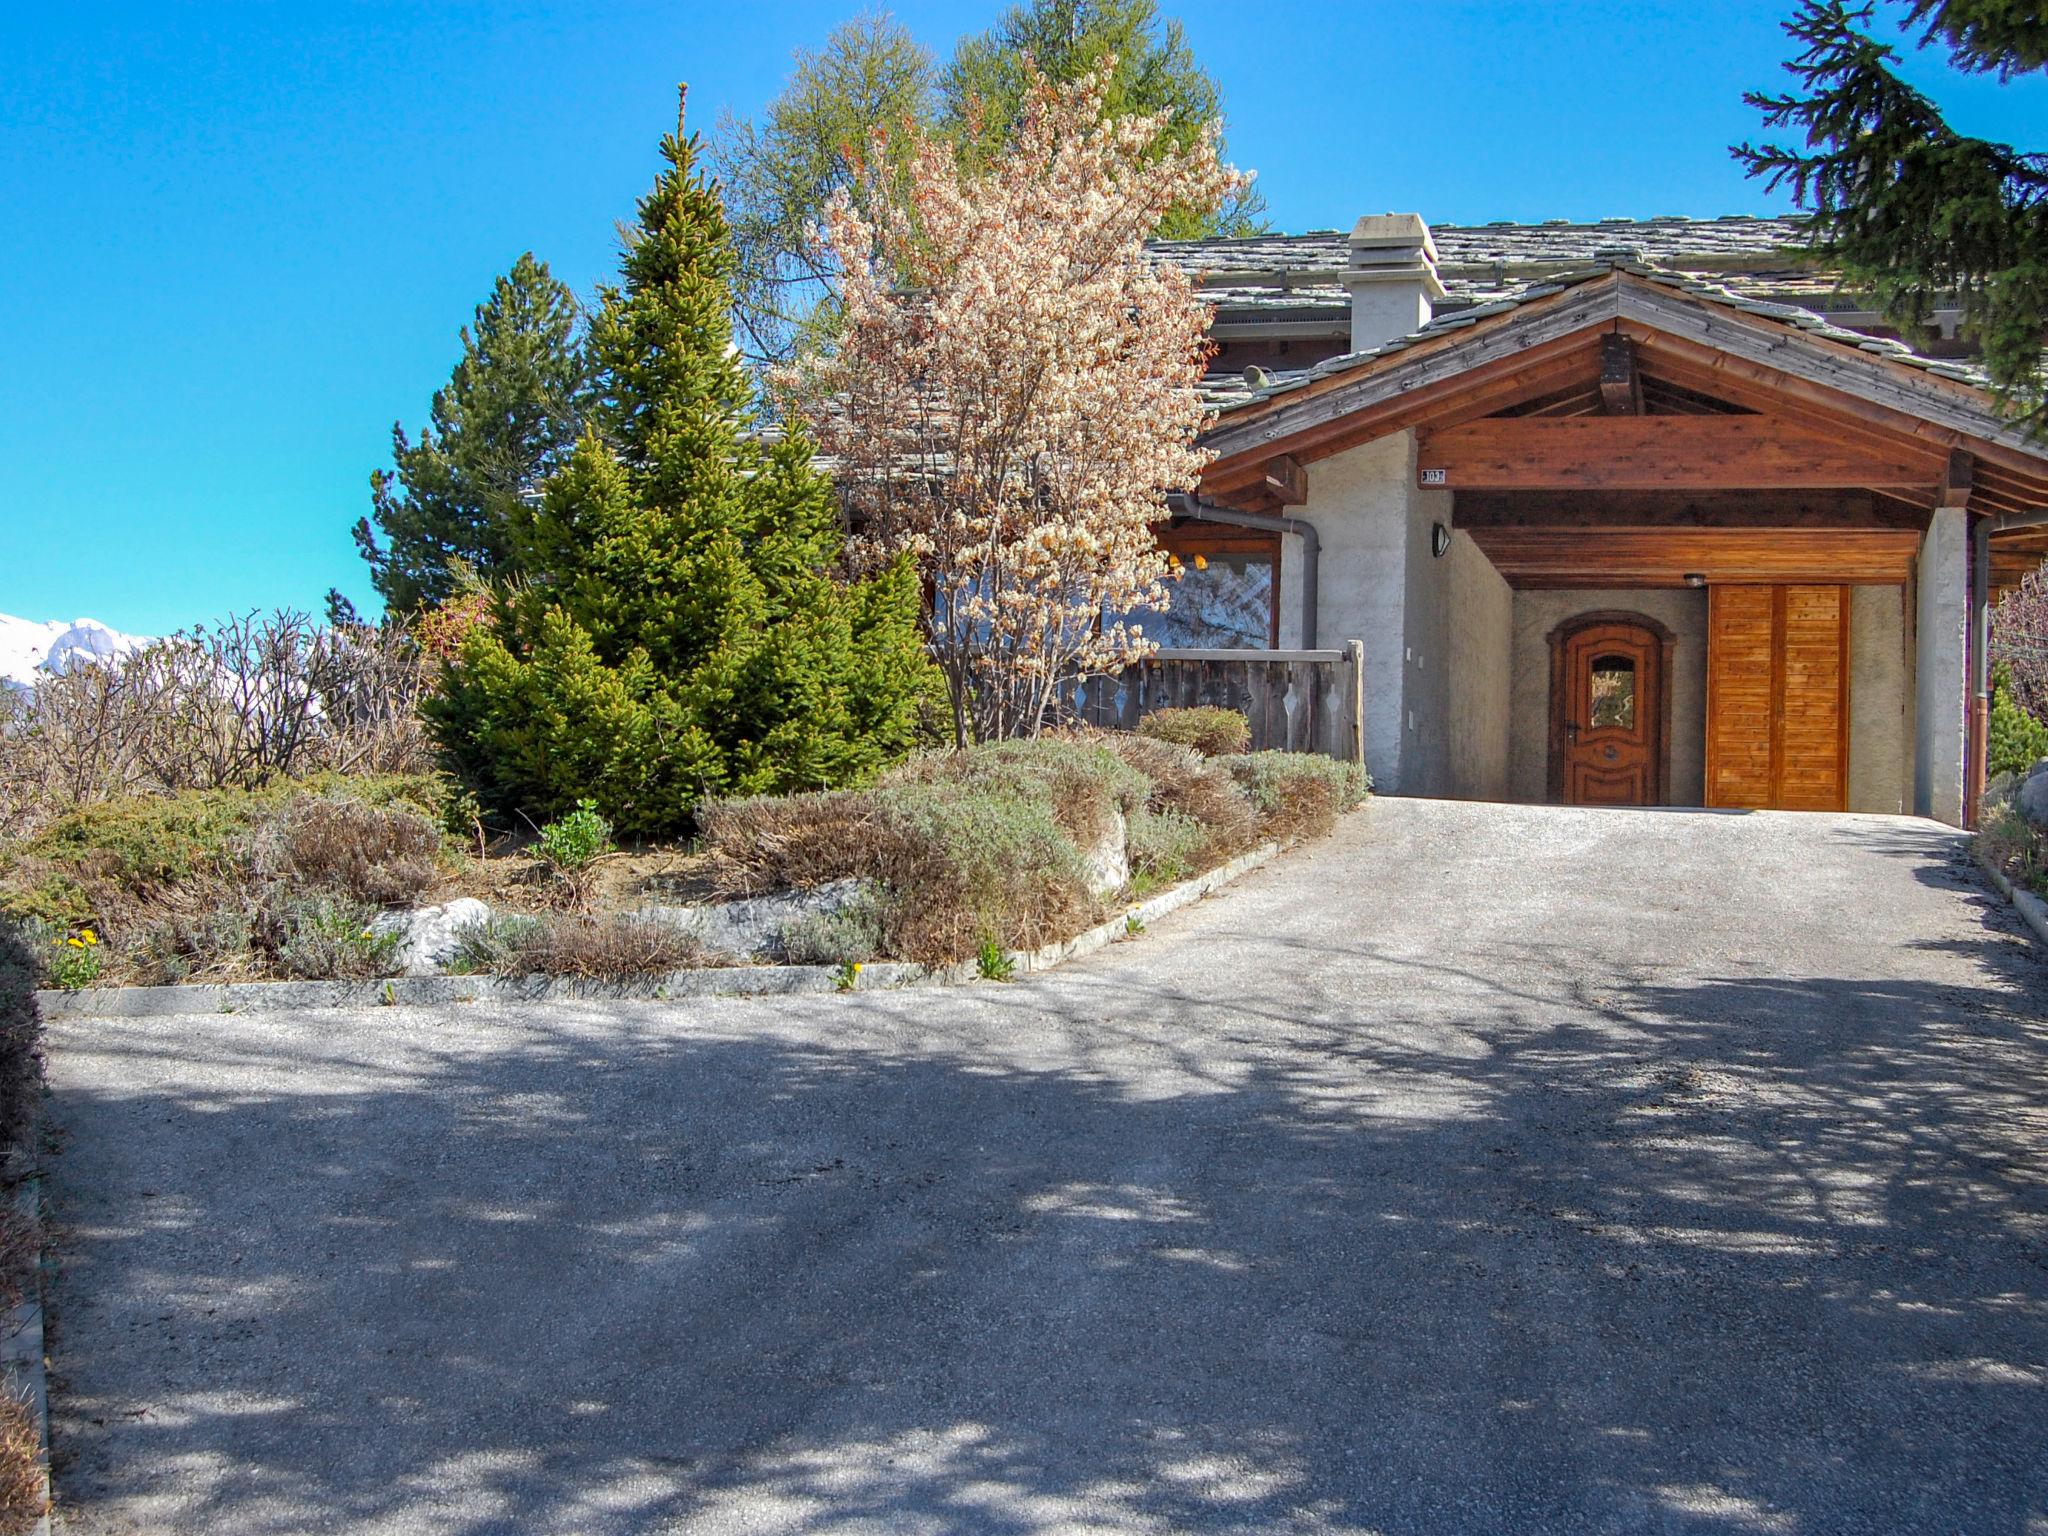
(1720, 1254)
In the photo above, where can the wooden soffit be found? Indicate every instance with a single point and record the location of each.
(1666, 557)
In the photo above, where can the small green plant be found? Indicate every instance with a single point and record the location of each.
(1210, 731)
(576, 841)
(993, 963)
(847, 976)
(2016, 740)
(76, 962)
(1133, 924)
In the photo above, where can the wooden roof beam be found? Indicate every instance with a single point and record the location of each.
(1621, 385)
(1959, 479)
(1651, 453)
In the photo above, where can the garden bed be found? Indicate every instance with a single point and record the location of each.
(971, 860)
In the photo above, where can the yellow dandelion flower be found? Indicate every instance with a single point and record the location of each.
(89, 936)
(76, 943)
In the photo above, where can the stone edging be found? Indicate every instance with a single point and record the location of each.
(2032, 909)
(712, 981)
(21, 1348)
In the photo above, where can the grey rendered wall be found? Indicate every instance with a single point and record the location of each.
(1481, 673)
(1379, 585)
(1536, 614)
(1880, 702)
(1940, 619)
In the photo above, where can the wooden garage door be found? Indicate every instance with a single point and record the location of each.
(1778, 697)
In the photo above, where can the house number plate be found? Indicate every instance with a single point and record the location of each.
(1434, 476)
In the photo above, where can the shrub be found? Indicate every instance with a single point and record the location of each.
(241, 704)
(1297, 794)
(1083, 783)
(481, 947)
(2011, 845)
(1201, 789)
(209, 944)
(577, 840)
(1164, 846)
(2016, 740)
(955, 860)
(850, 936)
(21, 1470)
(323, 938)
(21, 1042)
(1205, 729)
(376, 854)
(615, 948)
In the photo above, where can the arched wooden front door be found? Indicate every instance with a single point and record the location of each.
(1608, 675)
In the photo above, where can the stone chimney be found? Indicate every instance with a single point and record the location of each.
(1392, 278)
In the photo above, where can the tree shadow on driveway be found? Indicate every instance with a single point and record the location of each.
(1456, 1250)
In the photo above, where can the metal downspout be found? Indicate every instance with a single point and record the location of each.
(1200, 511)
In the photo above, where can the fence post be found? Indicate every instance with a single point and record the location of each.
(1354, 699)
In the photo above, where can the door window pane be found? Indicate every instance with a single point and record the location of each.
(1614, 693)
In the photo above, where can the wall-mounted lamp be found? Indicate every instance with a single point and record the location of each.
(1439, 540)
(1695, 579)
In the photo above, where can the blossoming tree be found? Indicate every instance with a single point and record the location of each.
(1012, 392)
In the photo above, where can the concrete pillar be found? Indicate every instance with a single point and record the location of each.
(1940, 671)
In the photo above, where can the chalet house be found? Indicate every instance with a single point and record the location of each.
(1627, 513)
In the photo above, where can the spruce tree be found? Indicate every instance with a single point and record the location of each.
(1911, 209)
(508, 414)
(681, 632)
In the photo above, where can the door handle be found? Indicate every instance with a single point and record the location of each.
(1571, 731)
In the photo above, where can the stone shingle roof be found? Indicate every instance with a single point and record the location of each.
(1228, 391)
(1270, 276)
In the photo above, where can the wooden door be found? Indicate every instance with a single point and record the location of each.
(1607, 699)
(1778, 697)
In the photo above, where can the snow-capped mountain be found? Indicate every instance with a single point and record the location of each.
(29, 649)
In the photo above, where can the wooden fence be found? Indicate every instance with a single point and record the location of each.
(1296, 701)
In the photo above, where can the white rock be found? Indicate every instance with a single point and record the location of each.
(1108, 862)
(430, 932)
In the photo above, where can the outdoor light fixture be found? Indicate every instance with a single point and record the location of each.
(1695, 579)
(1439, 540)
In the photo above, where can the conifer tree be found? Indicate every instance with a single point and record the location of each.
(1912, 209)
(512, 408)
(681, 631)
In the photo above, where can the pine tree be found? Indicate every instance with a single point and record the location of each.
(1910, 208)
(510, 411)
(681, 632)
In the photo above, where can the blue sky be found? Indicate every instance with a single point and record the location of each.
(240, 238)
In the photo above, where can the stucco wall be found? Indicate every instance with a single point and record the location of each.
(1480, 667)
(1880, 702)
(1536, 614)
(1379, 585)
(1941, 617)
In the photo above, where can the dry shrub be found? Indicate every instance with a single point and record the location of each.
(1211, 731)
(615, 948)
(2010, 844)
(787, 842)
(1084, 784)
(21, 1043)
(1202, 790)
(959, 860)
(246, 702)
(377, 854)
(21, 1246)
(21, 1468)
(1297, 794)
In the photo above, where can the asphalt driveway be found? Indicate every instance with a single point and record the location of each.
(1483, 1169)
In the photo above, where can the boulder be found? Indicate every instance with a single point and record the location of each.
(2032, 796)
(1108, 862)
(429, 933)
(752, 928)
